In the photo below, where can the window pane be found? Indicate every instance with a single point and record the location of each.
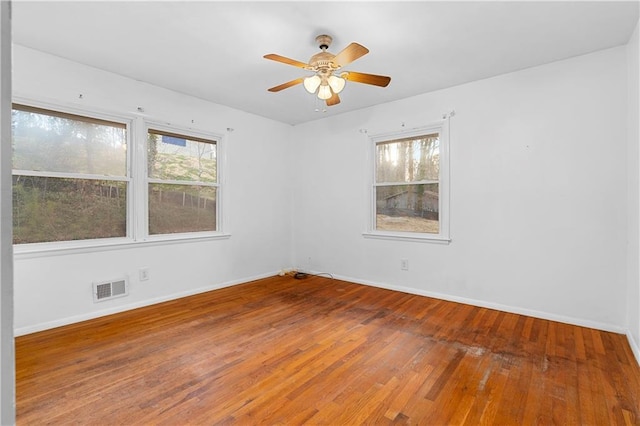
(175, 157)
(181, 208)
(53, 209)
(62, 143)
(408, 208)
(408, 160)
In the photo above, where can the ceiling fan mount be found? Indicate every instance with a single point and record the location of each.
(324, 41)
(324, 64)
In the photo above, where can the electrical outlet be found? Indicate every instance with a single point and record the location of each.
(144, 274)
(404, 264)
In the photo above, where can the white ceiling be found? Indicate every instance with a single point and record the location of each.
(214, 50)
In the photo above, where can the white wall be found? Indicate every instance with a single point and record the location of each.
(538, 193)
(55, 289)
(633, 254)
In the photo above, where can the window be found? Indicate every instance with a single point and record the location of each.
(183, 183)
(90, 180)
(410, 185)
(70, 176)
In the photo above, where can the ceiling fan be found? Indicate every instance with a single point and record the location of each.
(326, 82)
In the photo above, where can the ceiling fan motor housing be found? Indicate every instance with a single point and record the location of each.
(322, 61)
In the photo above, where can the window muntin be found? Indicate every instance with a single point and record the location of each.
(183, 183)
(410, 186)
(70, 176)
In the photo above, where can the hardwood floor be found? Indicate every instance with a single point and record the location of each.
(321, 351)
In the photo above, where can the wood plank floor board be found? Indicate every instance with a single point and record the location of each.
(407, 389)
(465, 385)
(322, 351)
(490, 388)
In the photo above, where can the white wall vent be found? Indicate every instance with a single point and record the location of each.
(106, 290)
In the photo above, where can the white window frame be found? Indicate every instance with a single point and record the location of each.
(137, 186)
(442, 129)
(121, 119)
(217, 138)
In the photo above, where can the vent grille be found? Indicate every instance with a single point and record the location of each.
(106, 290)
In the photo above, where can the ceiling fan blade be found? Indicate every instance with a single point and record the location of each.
(350, 54)
(286, 85)
(333, 100)
(287, 61)
(359, 77)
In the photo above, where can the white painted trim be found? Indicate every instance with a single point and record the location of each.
(436, 126)
(74, 109)
(410, 236)
(415, 182)
(489, 305)
(123, 308)
(61, 175)
(35, 250)
(137, 216)
(184, 182)
(635, 348)
(183, 131)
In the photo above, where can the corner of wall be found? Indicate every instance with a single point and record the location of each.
(633, 196)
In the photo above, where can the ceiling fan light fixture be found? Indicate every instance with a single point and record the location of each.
(325, 92)
(311, 83)
(336, 83)
(324, 84)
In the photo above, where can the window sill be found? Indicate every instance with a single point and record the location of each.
(27, 251)
(415, 237)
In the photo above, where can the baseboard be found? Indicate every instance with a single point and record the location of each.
(635, 348)
(123, 308)
(490, 305)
